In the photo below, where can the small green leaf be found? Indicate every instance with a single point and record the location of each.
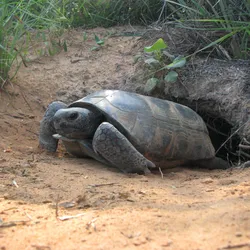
(178, 62)
(51, 53)
(171, 76)
(95, 48)
(85, 36)
(151, 84)
(98, 40)
(65, 48)
(152, 62)
(158, 45)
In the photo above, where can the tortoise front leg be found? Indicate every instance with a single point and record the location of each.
(118, 151)
(80, 148)
(46, 139)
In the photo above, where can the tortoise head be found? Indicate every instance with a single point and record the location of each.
(77, 123)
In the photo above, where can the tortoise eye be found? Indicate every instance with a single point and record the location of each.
(73, 116)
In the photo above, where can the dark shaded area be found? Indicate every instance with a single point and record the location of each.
(221, 133)
(114, 12)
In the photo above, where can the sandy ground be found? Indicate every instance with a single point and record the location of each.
(186, 209)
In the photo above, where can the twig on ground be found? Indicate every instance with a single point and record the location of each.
(91, 224)
(76, 60)
(161, 173)
(7, 209)
(25, 99)
(237, 246)
(57, 201)
(14, 223)
(28, 215)
(104, 184)
(67, 217)
(15, 184)
(39, 247)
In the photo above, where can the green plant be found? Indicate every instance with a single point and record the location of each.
(99, 42)
(105, 13)
(161, 65)
(85, 36)
(20, 21)
(228, 23)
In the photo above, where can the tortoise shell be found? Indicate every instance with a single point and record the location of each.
(163, 131)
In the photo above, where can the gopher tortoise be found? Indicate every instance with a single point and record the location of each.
(131, 132)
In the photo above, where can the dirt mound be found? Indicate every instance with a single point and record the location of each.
(187, 209)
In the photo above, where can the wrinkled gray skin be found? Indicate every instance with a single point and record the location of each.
(86, 134)
(47, 129)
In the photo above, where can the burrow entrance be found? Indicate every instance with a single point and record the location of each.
(221, 133)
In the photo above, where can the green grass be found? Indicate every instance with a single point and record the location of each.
(105, 13)
(228, 22)
(19, 20)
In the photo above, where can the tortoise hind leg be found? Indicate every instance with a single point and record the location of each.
(214, 163)
(118, 151)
